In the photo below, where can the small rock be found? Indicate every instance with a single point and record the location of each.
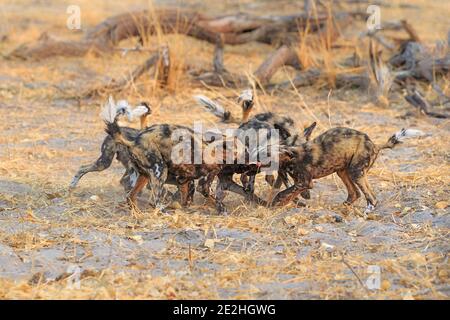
(443, 275)
(137, 238)
(441, 204)
(94, 198)
(175, 205)
(353, 233)
(373, 216)
(209, 243)
(302, 232)
(319, 228)
(385, 285)
(327, 247)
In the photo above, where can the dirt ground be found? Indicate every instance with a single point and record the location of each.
(50, 237)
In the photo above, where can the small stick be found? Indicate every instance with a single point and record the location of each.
(355, 274)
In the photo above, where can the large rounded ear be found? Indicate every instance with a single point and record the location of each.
(307, 131)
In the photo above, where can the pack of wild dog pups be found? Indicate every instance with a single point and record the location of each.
(148, 157)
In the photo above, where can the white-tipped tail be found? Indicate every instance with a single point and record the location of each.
(122, 105)
(401, 135)
(137, 112)
(112, 109)
(211, 106)
(409, 133)
(124, 108)
(246, 95)
(109, 111)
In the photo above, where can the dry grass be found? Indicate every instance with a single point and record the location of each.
(192, 253)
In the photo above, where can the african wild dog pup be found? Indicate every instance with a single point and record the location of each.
(349, 153)
(110, 148)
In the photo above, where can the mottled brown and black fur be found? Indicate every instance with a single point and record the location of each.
(152, 152)
(348, 152)
(226, 182)
(268, 120)
(110, 149)
(287, 137)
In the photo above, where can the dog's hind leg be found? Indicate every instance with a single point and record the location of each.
(364, 185)
(109, 149)
(129, 179)
(360, 179)
(369, 188)
(352, 191)
(140, 184)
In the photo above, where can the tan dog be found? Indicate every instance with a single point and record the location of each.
(349, 153)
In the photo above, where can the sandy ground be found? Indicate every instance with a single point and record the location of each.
(50, 237)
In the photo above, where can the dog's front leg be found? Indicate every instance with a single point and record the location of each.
(220, 195)
(158, 177)
(204, 185)
(287, 195)
(187, 190)
(230, 185)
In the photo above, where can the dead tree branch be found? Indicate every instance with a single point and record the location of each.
(282, 56)
(218, 56)
(118, 85)
(235, 29)
(220, 77)
(416, 99)
(163, 66)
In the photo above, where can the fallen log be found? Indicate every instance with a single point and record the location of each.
(218, 56)
(393, 26)
(416, 61)
(282, 56)
(235, 29)
(416, 99)
(144, 23)
(46, 47)
(221, 77)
